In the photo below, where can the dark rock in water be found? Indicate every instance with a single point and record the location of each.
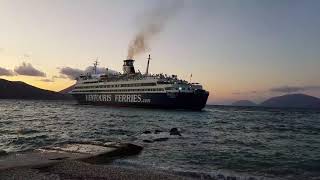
(157, 131)
(3, 153)
(161, 139)
(175, 131)
(147, 141)
(147, 132)
(221, 177)
(252, 178)
(231, 178)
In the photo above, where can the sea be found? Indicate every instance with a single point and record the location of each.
(218, 142)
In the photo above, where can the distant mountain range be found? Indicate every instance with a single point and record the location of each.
(285, 101)
(293, 100)
(21, 90)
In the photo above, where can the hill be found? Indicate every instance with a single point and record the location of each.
(292, 101)
(244, 103)
(21, 90)
(66, 90)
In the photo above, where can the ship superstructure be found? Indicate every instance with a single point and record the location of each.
(132, 88)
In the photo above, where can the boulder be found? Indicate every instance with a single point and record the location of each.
(221, 177)
(175, 131)
(231, 178)
(3, 153)
(147, 132)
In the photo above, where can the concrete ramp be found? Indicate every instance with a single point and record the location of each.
(90, 153)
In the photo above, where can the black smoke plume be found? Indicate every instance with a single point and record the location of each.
(152, 24)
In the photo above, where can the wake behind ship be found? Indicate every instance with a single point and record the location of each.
(132, 88)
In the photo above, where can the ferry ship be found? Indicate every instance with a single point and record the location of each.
(135, 89)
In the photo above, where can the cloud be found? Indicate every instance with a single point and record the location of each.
(60, 77)
(100, 70)
(28, 70)
(73, 73)
(6, 72)
(292, 89)
(47, 80)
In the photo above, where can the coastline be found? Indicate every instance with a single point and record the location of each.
(92, 161)
(81, 170)
(73, 169)
(76, 161)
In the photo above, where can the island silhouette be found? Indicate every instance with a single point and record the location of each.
(22, 90)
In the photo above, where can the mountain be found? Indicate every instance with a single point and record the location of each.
(292, 101)
(21, 90)
(244, 103)
(66, 90)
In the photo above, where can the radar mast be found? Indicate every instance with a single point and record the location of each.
(95, 65)
(147, 71)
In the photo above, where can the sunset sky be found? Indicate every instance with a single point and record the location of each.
(248, 49)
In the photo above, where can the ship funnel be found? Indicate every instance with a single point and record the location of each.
(128, 67)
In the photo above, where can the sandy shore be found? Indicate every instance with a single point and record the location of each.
(79, 170)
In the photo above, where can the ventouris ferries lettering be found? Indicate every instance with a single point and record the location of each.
(123, 98)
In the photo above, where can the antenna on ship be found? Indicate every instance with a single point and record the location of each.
(147, 71)
(95, 64)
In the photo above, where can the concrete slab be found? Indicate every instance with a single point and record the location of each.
(91, 153)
